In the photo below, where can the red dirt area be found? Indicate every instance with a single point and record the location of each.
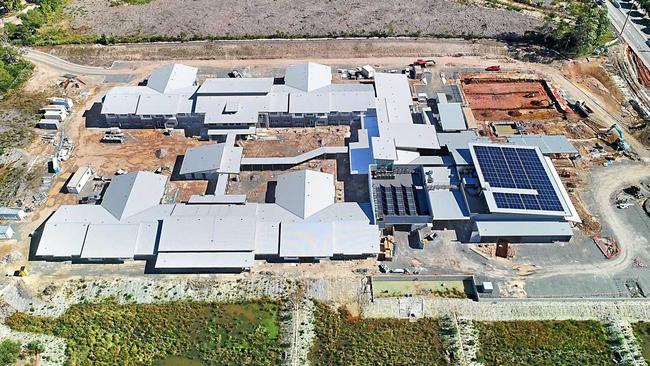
(505, 98)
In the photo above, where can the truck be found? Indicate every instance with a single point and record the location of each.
(493, 68)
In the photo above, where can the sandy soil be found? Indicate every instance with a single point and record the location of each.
(281, 142)
(259, 18)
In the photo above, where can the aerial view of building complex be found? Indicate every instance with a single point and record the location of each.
(295, 183)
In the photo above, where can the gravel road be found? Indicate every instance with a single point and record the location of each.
(260, 18)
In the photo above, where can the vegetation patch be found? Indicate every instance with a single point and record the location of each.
(532, 343)
(343, 340)
(398, 288)
(135, 334)
(642, 333)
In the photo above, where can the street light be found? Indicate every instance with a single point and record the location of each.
(625, 23)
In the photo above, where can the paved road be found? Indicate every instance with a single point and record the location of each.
(637, 28)
(43, 58)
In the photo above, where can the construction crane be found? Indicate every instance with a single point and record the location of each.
(620, 142)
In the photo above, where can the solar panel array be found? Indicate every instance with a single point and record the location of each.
(395, 201)
(517, 168)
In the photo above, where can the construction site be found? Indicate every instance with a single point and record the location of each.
(443, 185)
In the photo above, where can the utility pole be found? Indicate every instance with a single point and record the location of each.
(625, 23)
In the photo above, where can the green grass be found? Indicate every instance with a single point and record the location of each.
(454, 289)
(341, 340)
(642, 333)
(135, 334)
(552, 343)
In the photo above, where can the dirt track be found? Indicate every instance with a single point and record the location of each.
(264, 18)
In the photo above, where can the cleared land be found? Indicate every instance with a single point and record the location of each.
(111, 334)
(543, 343)
(286, 18)
(642, 333)
(341, 340)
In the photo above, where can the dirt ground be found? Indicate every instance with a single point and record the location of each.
(593, 77)
(507, 96)
(257, 184)
(260, 18)
(276, 49)
(286, 142)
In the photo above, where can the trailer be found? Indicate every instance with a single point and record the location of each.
(6, 232)
(15, 214)
(49, 124)
(79, 179)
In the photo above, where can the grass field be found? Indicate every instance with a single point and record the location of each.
(385, 288)
(183, 333)
(642, 333)
(530, 343)
(341, 340)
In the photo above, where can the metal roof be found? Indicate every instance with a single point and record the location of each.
(413, 136)
(383, 148)
(309, 76)
(147, 239)
(305, 192)
(207, 234)
(110, 241)
(78, 176)
(523, 228)
(172, 77)
(62, 240)
(220, 158)
(458, 145)
(314, 240)
(133, 192)
(267, 238)
(448, 205)
(355, 238)
(5, 229)
(451, 117)
(393, 87)
(547, 144)
(210, 260)
(229, 86)
(120, 104)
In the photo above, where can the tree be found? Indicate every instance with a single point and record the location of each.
(9, 352)
(584, 31)
(36, 347)
(10, 5)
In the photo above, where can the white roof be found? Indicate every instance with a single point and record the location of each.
(305, 192)
(207, 234)
(355, 238)
(448, 205)
(267, 238)
(146, 239)
(79, 175)
(211, 260)
(172, 77)
(414, 136)
(451, 117)
(220, 158)
(393, 87)
(224, 86)
(383, 148)
(523, 228)
(306, 240)
(120, 103)
(110, 241)
(308, 77)
(62, 240)
(133, 192)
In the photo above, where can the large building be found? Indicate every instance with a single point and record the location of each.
(425, 166)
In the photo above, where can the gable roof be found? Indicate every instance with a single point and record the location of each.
(172, 77)
(305, 192)
(308, 77)
(132, 193)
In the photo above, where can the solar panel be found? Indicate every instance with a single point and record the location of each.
(517, 168)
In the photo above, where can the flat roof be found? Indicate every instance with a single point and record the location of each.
(451, 117)
(383, 148)
(225, 86)
(547, 144)
(207, 234)
(210, 260)
(355, 238)
(79, 175)
(110, 241)
(448, 205)
(306, 239)
(523, 228)
(62, 240)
